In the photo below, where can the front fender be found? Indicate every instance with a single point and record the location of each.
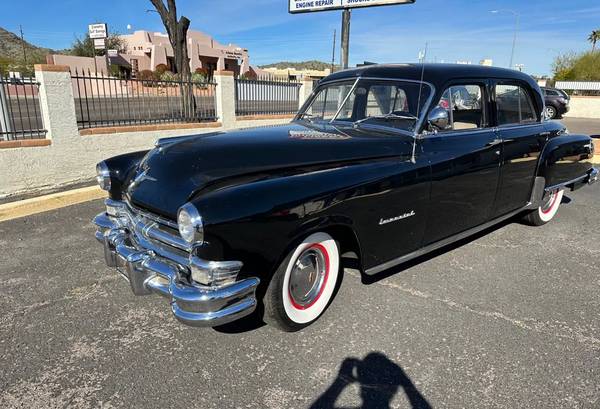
(566, 160)
(120, 168)
(257, 222)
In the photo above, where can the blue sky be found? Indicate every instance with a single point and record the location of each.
(454, 29)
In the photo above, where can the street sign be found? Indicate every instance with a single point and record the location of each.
(99, 30)
(307, 6)
(99, 44)
(113, 53)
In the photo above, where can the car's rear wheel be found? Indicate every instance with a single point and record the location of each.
(547, 210)
(304, 284)
(550, 112)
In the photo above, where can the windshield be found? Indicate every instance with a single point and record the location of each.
(392, 103)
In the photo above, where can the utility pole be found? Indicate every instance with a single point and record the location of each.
(23, 44)
(333, 53)
(345, 37)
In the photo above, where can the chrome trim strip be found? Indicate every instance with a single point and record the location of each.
(153, 217)
(439, 244)
(591, 176)
(344, 101)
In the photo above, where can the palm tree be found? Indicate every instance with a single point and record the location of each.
(594, 38)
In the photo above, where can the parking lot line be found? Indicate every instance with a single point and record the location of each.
(22, 208)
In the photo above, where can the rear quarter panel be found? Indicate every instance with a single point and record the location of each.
(566, 158)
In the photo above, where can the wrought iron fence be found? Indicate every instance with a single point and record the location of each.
(266, 96)
(20, 113)
(102, 101)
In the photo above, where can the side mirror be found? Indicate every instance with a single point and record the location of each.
(438, 119)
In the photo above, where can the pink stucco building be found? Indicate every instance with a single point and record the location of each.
(152, 49)
(145, 51)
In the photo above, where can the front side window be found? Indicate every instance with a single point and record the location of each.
(464, 104)
(514, 105)
(391, 103)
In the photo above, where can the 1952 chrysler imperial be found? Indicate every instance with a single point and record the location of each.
(387, 162)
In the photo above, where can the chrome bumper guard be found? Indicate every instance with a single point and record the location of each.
(150, 273)
(593, 176)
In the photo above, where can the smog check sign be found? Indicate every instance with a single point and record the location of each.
(307, 6)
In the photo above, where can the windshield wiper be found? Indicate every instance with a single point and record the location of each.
(387, 117)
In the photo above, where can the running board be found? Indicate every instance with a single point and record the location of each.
(442, 243)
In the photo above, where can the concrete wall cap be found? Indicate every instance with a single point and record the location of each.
(224, 73)
(51, 68)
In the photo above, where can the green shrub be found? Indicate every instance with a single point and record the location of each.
(198, 77)
(167, 76)
(146, 75)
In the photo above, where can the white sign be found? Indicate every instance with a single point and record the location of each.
(98, 30)
(113, 53)
(99, 44)
(306, 6)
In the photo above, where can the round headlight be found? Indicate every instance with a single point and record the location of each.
(190, 225)
(103, 176)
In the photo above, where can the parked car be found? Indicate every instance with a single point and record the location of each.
(374, 167)
(557, 102)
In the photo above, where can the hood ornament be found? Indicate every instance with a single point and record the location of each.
(140, 177)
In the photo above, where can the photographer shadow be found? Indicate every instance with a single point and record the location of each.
(379, 379)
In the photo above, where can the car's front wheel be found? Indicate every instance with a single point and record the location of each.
(304, 284)
(551, 112)
(547, 210)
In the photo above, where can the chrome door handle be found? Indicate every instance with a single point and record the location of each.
(495, 142)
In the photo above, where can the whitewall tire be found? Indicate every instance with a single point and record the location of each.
(304, 284)
(547, 210)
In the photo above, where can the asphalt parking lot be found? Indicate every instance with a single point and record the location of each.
(507, 319)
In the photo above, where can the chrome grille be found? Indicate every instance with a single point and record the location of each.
(147, 226)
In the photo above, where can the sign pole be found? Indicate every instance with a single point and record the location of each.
(95, 63)
(107, 58)
(346, 14)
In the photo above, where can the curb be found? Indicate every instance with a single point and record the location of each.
(27, 207)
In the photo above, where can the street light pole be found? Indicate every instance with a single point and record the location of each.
(517, 24)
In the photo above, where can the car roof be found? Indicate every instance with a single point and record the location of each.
(436, 74)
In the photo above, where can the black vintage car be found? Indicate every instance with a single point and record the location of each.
(385, 163)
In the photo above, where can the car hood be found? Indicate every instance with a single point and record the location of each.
(179, 169)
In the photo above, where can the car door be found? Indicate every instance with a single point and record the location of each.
(523, 136)
(464, 160)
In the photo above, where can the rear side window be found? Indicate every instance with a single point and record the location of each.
(514, 105)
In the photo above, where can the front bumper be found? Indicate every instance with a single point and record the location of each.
(563, 109)
(150, 269)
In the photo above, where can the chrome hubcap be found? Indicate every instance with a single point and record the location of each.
(549, 202)
(308, 277)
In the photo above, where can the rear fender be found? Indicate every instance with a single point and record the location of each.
(566, 161)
